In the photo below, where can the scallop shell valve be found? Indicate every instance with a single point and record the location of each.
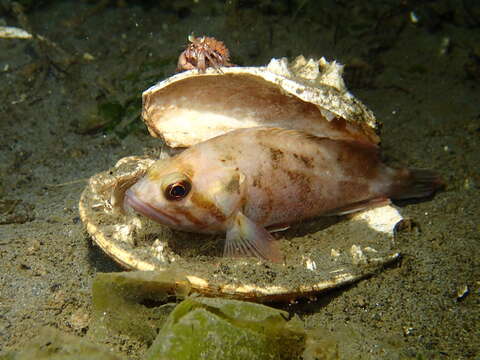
(308, 95)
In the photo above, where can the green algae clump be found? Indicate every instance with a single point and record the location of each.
(124, 303)
(214, 328)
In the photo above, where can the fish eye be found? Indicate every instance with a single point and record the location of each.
(176, 186)
(177, 190)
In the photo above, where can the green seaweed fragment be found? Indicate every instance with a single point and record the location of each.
(124, 303)
(215, 328)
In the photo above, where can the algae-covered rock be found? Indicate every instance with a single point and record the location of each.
(123, 303)
(52, 344)
(135, 304)
(213, 328)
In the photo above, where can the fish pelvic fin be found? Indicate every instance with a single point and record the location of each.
(416, 183)
(359, 206)
(246, 238)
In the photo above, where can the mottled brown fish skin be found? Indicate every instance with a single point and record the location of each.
(292, 176)
(273, 176)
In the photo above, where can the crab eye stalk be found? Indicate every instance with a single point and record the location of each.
(177, 190)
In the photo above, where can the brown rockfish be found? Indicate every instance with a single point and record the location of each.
(246, 180)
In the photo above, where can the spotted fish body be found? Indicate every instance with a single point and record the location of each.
(249, 179)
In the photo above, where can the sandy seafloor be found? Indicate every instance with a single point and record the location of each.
(416, 66)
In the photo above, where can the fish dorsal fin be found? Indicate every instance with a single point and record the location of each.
(246, 238)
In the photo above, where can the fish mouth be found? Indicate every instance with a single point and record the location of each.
(148, 210)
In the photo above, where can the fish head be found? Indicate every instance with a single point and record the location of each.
(188, 197)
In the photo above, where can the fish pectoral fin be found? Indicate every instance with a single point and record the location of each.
(246, 238)
(359, 206)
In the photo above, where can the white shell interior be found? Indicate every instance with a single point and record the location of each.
(191, 107)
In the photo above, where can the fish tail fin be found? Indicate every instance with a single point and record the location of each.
(246, 238)
(416, 183)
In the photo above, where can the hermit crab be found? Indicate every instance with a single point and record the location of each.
(203, 52)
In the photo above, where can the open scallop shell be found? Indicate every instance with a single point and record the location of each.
(316, 257)
(308, 95)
